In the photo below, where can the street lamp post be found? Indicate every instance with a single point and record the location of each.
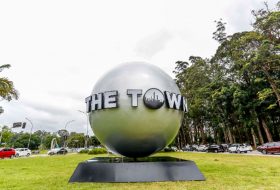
(67, 123)
(30, 131)
(86, 139)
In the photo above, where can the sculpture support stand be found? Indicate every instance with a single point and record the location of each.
(117, 169)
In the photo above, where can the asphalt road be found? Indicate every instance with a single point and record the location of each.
(257, 153)
(44, 155)
(253, 153)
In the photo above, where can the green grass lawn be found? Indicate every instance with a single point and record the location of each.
(222, 171)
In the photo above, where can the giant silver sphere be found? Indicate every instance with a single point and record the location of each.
(136, 131)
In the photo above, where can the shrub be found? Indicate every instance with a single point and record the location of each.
(85, 151)
(98, 151)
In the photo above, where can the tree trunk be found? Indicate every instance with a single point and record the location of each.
(230, 136)
(247, 134)
(266, 130)
(183, 137)
(184, 130)
(254, 137)
(178, 140)
(196, 135)
(191, 136)
(240, 137)
(276, 132)
(260, 135)
(202, 133)
(217, 137)
(225, 133)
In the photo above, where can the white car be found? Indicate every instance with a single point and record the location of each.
(202, 148)
(53, 151)
(248, 147)
(237, 148)
(22, 152)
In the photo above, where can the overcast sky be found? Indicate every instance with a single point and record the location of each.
(59, 49)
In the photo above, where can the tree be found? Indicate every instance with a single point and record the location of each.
(20, 140)
(76, 140)
(235, 95)
(5, 135)
(7, 90)
(94, 141)
(196, 91)
(48, 137)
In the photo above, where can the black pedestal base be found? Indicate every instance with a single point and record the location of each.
(116, 169)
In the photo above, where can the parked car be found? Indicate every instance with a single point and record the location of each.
(174, 148)
(57, 151)
(190, 148)
(23, 152)
(225, 146)
(273, 147)
(186, 148)
(237, 148)
(194, 147)
(248, 147)
(215, 148)
(202, 148)
(62, 151)
(170, 149)
(7, 153)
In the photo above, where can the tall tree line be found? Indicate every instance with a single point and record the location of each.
(42, 139)
(234, 96)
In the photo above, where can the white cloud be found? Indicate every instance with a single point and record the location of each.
(153, 44)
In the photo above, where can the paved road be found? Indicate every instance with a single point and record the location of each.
(257, 153)
(44, 155)
(39, 155)
(253, 153)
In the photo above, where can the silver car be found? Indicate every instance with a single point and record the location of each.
(22, 152)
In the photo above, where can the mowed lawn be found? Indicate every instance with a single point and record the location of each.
(222, 171)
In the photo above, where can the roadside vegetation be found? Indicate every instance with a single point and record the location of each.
(97, 150)
(234, 96)
(41, 140)
(222, 171)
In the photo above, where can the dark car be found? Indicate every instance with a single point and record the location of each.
(215, 148)
(62, 151)
(225, 146)
(7, 153)
(57, 151)
(190, 148)
(273, 147)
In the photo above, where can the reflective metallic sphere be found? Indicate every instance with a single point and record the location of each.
(136, 131)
